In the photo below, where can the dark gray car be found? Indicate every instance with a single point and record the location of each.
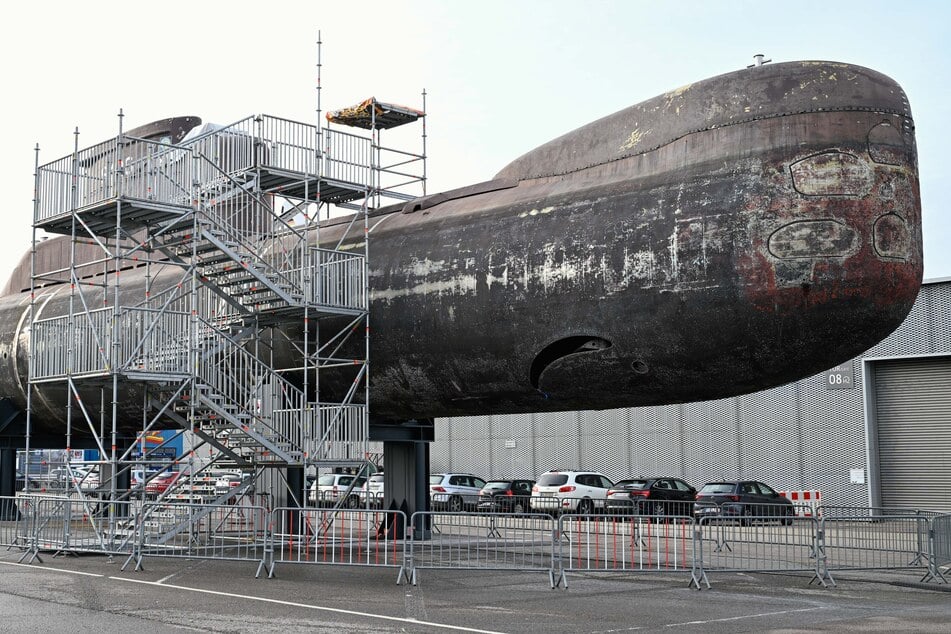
(506, 496)
(650, 496)
(743, 500)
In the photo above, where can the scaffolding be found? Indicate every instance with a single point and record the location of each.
(228, 297)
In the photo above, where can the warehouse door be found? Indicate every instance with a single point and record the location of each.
(913, 402)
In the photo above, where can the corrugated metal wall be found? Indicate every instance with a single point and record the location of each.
(797, 436)
(913, 405)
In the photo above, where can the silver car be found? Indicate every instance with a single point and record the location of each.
(454, 491)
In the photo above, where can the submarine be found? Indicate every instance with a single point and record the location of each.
(728, 236)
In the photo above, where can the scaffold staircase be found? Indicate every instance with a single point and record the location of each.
(235, 211)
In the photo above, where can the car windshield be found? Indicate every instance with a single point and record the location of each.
(718, 487)
(552, 479)
(499, 485)
(632, 484)
(435, 479)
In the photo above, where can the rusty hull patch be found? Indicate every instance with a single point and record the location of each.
(832, 173)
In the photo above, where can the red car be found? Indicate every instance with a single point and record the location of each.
(160, 484)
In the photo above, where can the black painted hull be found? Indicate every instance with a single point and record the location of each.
(728, 237)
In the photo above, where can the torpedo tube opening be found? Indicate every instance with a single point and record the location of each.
(563, 348)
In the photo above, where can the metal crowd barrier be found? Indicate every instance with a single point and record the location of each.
(940, 548)
(15, 524)
(760, 543)
(838, 539)
(235, 532)
(625, 543)
(352, 537)
(857, 538)
(74, 524)
(484, 541)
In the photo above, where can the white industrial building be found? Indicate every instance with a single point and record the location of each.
(873, 431)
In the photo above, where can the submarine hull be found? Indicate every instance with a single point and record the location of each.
(731, 236)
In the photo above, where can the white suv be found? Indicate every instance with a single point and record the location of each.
(454, 491)
(329, 489)
(568, 491)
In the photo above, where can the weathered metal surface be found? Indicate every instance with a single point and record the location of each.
(730, 236)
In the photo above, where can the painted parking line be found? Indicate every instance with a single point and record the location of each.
(69, 572)
(306, 606)
(744, 616)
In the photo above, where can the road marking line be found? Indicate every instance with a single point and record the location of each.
(745, 616)
(308, 606)
(71, 572)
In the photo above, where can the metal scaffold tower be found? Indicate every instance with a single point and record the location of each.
(217, 286)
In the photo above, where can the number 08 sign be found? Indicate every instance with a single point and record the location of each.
(840, 377)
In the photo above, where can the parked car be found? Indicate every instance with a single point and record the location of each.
(568, 491)
(506, 496)
(72, 477)
(742, 500)
(454, 491)
(139, 475)
(651, 496)
(228, 481)
(86, 479)
(161, 483)
(374, 489)
(330, 488)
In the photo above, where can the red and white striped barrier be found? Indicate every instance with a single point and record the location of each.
(806, 501)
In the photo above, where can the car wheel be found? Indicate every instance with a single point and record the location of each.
(745, 519)
(353, 502)
(585, 507)
(518, 508)
(455, 504)
(659, 509)
(788, 520)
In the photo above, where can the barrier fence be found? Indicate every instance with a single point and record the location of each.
(235, 532)
(484, 541)
(761, 543)
(940, 548)
(615, 543)
(82, 524)
(15, 526)
(351, 537)
(860, 538)
(836, 539)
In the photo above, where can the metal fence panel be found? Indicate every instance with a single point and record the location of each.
(875, 541)
(761, 544)
(625, 543)
(16, 521)
(236, 532)
(76, 524)
(482, 541)
(940, 548)
(351, 537)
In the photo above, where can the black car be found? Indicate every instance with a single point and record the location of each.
(742, 500)
(506, 496)
(651, 496)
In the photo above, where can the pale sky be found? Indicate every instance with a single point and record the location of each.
(502, 76)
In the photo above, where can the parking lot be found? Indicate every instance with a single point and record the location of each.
(90, 593)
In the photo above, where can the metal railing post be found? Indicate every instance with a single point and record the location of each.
(697, 572)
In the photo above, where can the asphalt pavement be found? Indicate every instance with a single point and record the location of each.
(91, 594)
